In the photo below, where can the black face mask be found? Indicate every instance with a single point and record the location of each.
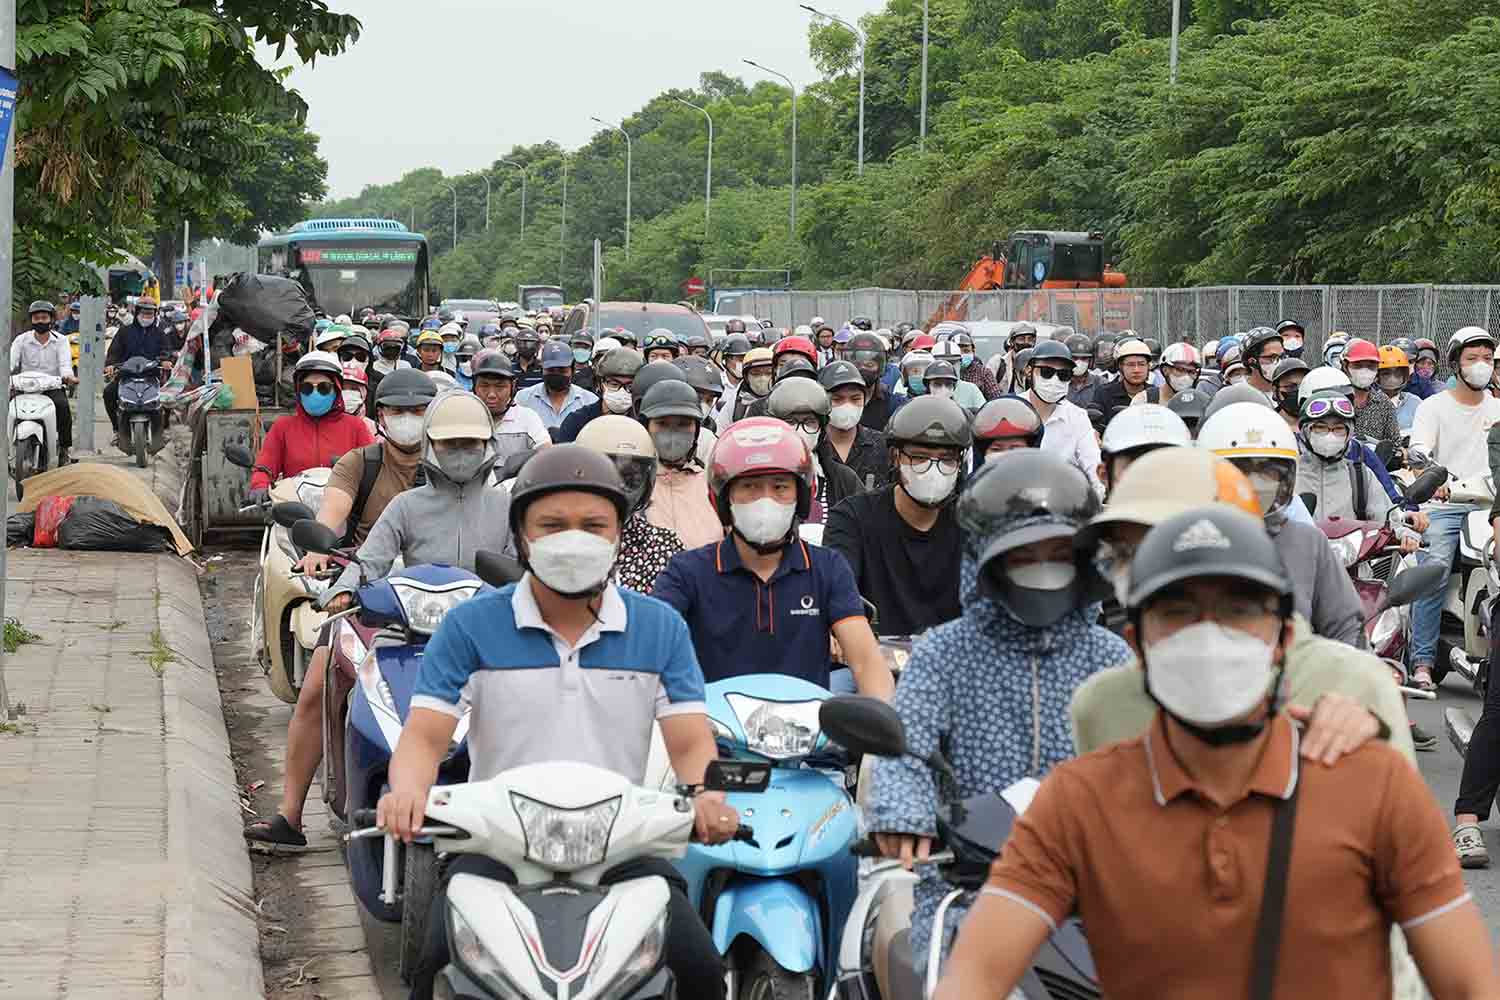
(557, 381)
(870, 375)
(1287, 401)
(41, 327)
(526, 349)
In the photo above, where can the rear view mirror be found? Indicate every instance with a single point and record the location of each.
(1427, 484)
(497, 569)
(290, 512)
(238, 454)
(863, 725)
(1415, 582)
(312, 536)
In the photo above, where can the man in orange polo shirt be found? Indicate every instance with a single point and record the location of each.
(1162, 844)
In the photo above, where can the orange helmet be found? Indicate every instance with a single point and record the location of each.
(1360, 349)
(1393, 357)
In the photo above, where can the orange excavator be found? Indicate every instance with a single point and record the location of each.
(1037, 260)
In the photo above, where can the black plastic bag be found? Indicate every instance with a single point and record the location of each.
(264, 305)
(19, 529)
(104, 526)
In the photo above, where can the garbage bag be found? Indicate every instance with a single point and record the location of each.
(49, 515)
(19, 529)
(264, 305)
(99, 525)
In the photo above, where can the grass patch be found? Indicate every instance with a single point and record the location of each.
(160, 655)
(18, 635)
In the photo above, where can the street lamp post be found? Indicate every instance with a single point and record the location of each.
(708, 180)
(513, 163)
(454, 191)
(629, 154)
(789, 83)
(486, 202)
(922, 137)
(1176, 26)
(562, 231)
(860, 35)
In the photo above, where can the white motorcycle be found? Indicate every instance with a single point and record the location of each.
(31, 425)
(557, 934)
(1464, 644)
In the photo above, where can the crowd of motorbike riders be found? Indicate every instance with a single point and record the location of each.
(1095, 540)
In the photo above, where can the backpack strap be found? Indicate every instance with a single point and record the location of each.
(1357, 475)
(374, 456)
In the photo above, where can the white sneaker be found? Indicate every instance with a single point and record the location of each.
(1469, 843)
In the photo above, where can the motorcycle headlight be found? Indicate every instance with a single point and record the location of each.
(1347, 548)
(777, 729)
(565, 839)
(639, 966)
(377, 691)
(425, 608)
(476, 959)
(1386, 626)
(350, 646)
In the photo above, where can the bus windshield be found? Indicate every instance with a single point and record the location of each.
(541, 297)
(345, 277)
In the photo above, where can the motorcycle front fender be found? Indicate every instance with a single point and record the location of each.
(775, 913)
(28, 429)
(307, 624)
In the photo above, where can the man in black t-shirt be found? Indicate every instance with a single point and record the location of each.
(903, 542)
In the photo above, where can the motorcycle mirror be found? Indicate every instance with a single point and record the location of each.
(497, 569)
(1415, 582)
(736, 776)
(1427, 484)
(290, 512)
(863, 725)
(1310, 501)
(311, 536)
(238, 454)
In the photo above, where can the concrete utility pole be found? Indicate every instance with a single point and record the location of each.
(789, 83)
(562, 229)
(486, 201)
(922, 139)
(860, 35)
(90, 364)
(7, 271)
(187, 248)
(708, 181)
(1176, 27)
(454, 191)
(628, 157)
(513, 163)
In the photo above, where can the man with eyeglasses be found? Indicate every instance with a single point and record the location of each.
(1066, 428)
(1133, 360)
(1263, 351)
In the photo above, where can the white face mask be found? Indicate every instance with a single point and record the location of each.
(617, 400)
(931, 487)
(383, 366)
(354, 401)
(571, 562)
(1292, 344)
(1392, 382)
(1266, 370)
(1207, 674)
(1267, 491)
(1050, 390)
(1180, 383)
(1080, 369)
(809, 438)
(763, 521)
(1327, 444)
(1043, 575)
(1478, 375)
(846, 416)
(1236, 378)
(943, 391)
(1362, 378)
(404, 429)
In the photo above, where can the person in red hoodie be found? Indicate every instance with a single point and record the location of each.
(315, 433)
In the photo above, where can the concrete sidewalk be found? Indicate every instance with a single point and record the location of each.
(122, 869)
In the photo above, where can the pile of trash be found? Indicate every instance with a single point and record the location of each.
(93, 507)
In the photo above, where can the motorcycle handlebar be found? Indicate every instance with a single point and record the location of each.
(866, 848)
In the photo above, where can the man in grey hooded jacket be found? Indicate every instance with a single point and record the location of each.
(453, 516)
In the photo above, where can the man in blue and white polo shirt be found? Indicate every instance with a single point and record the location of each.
(564, 666)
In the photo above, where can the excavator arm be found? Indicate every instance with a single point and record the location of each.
(987, 274)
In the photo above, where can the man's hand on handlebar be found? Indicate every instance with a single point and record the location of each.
(256, 497)
(109, 371)
(338, 602)
(401, 812)
(1417, 520)
(904, 847)
(715, 820)
(313, 564)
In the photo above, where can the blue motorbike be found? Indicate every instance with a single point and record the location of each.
(777, 905)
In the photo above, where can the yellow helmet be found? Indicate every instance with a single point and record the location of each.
(759, 356)
(429, 337)
(1392, 356)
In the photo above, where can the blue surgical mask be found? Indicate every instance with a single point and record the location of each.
(581, 355)
(917, 384)
(966, 361)
(450, 347)
(316, 404)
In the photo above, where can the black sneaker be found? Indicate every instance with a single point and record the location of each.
(1421, 739)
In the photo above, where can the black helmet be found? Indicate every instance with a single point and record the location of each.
(1079, 345)
(862, 323)
(798, 395)
(701, 375)
(405, 387)
(903, 328)
(356, 340)
(1020, 330)
(1018, 498)
(1008, 417)
(1406, 346)
(1191, 405)
(735, 345)
(1286, 366)
(1154, 347)
(564, 467)
(493, 363)
(650, 374)
(1023, 358)
(963, 338)
(694, 340)
(1290, 324)
(1104, 349)
(1257, 339)
(837, 374)
(931, 421)
(733, 327)
(1213, 540)
(43, 306)
(868, 354)
(940, 370)
(1048, 350)
(619, 362)
(795, 366)
(670, 398)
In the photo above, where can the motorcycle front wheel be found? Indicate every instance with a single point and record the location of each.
(419, 884)
(28, 461)
(140, 437)
(764, 979)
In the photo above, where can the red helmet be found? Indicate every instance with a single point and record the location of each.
(796, 345)
(354, 372)
(923, 342)
(754, 446)
(390, 333)
(1361, 350)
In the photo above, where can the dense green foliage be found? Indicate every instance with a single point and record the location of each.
(135, 115)
(1304, 141)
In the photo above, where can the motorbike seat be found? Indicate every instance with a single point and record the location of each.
(890, 948)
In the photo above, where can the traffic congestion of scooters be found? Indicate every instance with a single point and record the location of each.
(811, 891)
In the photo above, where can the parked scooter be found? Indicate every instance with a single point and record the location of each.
(974, 831)
(561, 826)
(775, 905)
(31, 425)
(141, 427)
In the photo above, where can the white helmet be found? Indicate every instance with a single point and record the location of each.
(605, 345)
(328, 335)
(916, 361)
(1211, 349)
(1320, 379)
(342, 319)
(1131, 346)
(460, 318)
(1144, 425)
(947, 350)
(1248, 434)
(1181, 354)
(803, 330)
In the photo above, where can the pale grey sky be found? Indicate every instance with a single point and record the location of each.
(453, 83)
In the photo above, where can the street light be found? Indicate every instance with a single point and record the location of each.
(628, 156)
(1176, 25)
(513, 163)
(708, 181)
(922, 137)
(562, 230)
(486, 177)
(454, 191)
(861, 36)
(789, 83)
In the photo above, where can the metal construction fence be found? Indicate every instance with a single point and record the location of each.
(1376, 312)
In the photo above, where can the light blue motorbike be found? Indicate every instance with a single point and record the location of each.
(776, 906)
